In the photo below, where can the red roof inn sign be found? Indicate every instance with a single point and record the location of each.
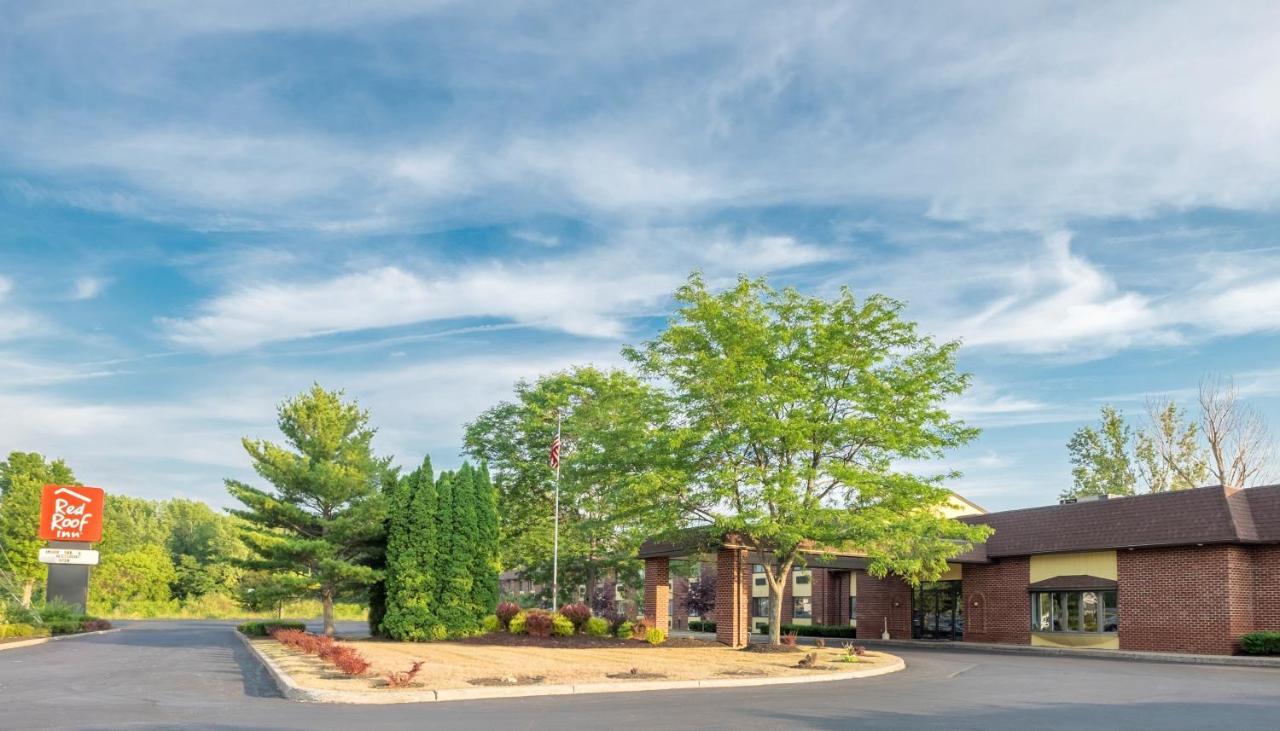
(71, 513)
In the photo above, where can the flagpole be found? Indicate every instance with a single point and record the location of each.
(555, 541)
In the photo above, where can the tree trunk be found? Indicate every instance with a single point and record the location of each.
(775, 613)
(326, 601)
(28, 587)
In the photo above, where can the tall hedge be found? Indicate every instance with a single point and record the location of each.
(442, 554)
(485, 563)
(457, 610)
(413, 550)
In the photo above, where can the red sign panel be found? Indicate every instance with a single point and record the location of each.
(71, 513)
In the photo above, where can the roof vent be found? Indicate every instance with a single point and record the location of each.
(1082, 499)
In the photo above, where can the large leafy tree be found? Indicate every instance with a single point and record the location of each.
(1100, 461)
(1168, 452)
(22, 476)
(609, 419)
(793, 414)
(205, 546)
(315, 528)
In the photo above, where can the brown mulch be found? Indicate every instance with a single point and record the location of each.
(773, 648)
(636, 675)
(505, 639)
(507, 680)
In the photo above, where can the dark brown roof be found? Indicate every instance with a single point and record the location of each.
(1185, 517)
(1075, 581)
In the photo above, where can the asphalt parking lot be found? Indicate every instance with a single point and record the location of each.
(164, 675)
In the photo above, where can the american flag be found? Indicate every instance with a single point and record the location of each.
(555, 452)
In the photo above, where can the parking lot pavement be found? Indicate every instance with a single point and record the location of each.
(164, 675)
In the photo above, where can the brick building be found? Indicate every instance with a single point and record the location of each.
(1188, 571)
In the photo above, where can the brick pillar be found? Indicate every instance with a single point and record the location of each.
(657, 591)
(733, 597)
(887, 600)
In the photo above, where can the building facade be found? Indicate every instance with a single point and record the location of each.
(1188, 571)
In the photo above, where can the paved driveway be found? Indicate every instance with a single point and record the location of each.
(163, 675)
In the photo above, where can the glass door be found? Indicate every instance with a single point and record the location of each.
(937, 611)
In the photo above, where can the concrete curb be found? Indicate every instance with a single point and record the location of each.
(291, 690)
(41, 640)
(1171, 658)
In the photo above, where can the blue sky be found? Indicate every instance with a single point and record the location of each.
(206, 207)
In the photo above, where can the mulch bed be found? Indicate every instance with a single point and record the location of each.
(636, 675)
(772, 648)
(505, 639)
(499, 680)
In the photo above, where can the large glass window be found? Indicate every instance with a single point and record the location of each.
(1074, 611)
(802, 607)
(802, 578)
(760, 606)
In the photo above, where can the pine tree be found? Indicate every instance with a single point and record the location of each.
(485, 565)
(22, 478)
(315, 529)
(412, 556)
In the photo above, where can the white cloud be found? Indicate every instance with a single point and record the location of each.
(87, 288)
(1002, 118)
(590, 294)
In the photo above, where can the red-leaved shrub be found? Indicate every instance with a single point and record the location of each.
(578, 614)
(96, 625)
(505, 611)
(789, 639)
(349, 661)
(401, 678)
(538, 623)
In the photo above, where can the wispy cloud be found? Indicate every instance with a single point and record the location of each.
(1007, 118)
(589, 294)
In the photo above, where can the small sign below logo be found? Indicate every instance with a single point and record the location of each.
(77, 556)
(71, 513)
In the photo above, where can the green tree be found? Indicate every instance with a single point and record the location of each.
(609, 419)
(1168, 452)
(459, 533)
(412, 587)
(485, 566)
(1100, 463)
(143, 573)
(129, 523)
(315, 528)
(22, 478)
(205, 547)
(792, 413)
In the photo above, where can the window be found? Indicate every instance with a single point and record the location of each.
(757, 568)
(760, 606)
(1074, 611)
(802, 607)
(853, 610)
(802, 578)
(760, 581)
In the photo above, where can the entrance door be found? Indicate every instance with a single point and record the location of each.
(937, 611)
